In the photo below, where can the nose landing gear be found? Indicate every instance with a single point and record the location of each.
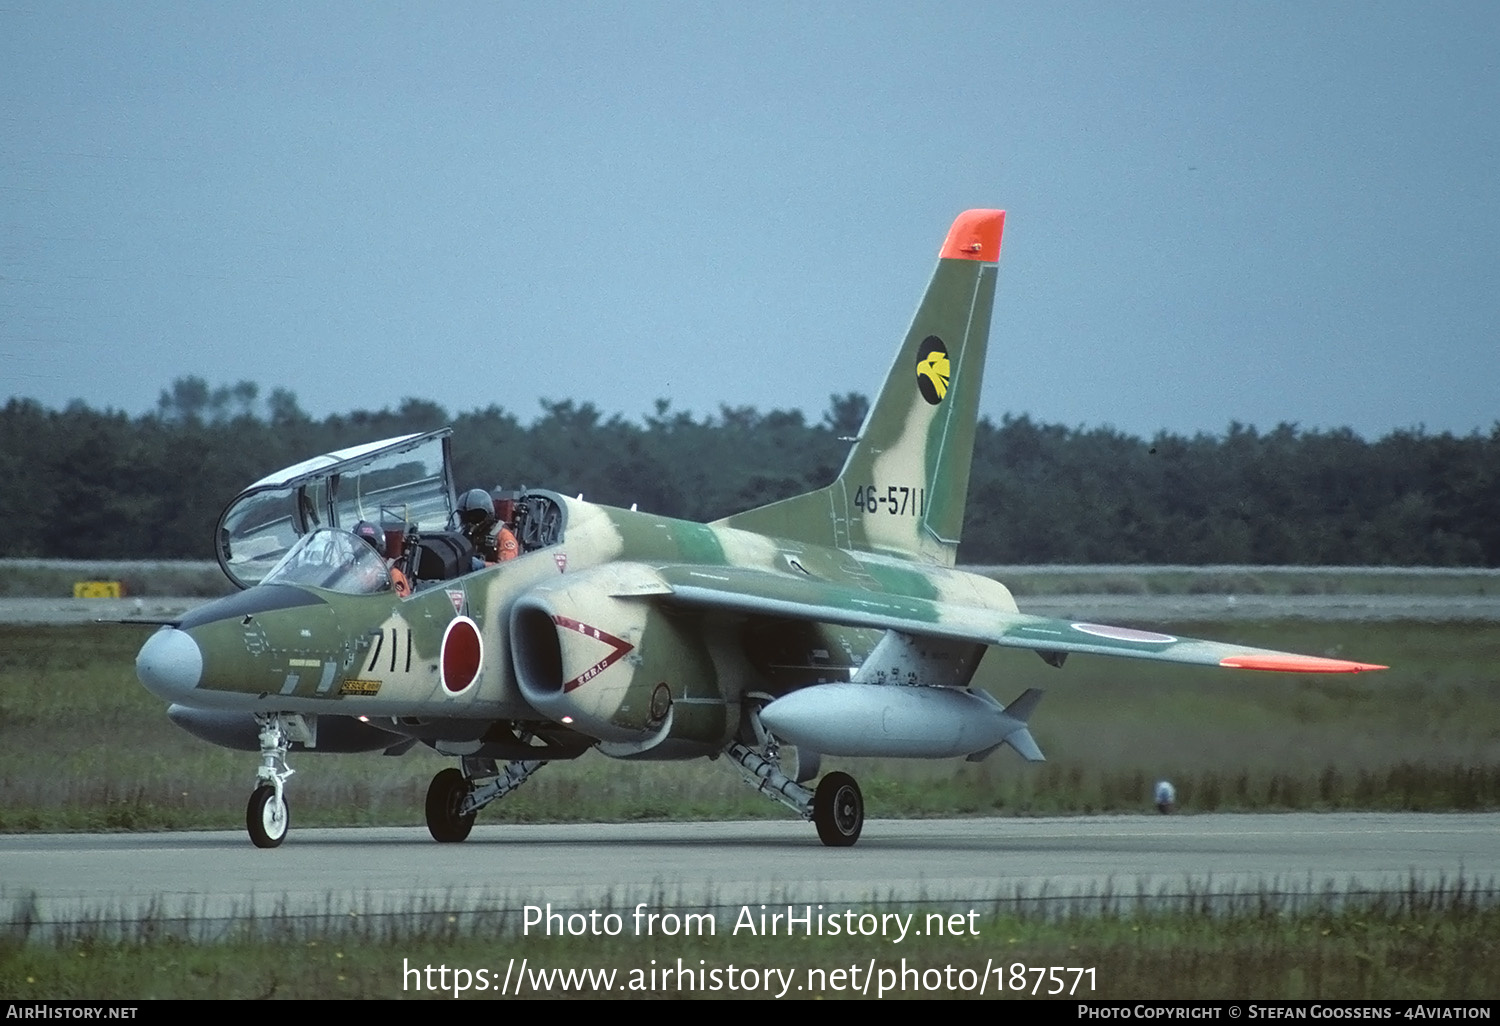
(267, 817)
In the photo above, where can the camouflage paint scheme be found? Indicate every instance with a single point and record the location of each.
(649, 637)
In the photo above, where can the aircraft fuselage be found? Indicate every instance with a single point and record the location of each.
(571, 607)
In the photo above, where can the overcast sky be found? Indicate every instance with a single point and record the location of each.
(1260, 212)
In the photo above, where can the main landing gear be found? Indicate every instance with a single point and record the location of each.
(836, 808)
(446, 795)
(455, 797)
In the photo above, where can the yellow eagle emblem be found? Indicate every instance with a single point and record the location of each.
(932, 370)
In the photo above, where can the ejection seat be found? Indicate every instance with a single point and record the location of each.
(440, 556)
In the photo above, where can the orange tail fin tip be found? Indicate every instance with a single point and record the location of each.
(975, 235)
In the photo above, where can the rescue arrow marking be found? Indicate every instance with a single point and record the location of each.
(618, 649)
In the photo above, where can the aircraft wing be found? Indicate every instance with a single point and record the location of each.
(762, 593)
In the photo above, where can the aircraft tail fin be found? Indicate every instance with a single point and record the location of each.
(906, 479)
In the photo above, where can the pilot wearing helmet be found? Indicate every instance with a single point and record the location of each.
(491, 538)
(476, 519)
(373, 535)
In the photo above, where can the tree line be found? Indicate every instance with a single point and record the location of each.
(85, 483)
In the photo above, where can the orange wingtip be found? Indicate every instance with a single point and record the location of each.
(975, 235)
(1297, 664)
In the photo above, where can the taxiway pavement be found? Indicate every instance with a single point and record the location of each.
(219, 876)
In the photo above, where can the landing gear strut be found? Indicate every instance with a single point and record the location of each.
(836, 808)
(267, 816)
(455, 797)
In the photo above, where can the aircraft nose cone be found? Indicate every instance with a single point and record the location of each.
(170, 664)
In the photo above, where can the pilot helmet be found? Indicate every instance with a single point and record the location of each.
(476, 508)
(372, 534)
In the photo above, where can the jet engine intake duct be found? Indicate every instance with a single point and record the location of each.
(615, 668)
(537, 651)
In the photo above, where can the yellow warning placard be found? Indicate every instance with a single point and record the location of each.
(97, 589)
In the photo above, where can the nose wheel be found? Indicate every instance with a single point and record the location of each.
(838, 810)
(267, 817)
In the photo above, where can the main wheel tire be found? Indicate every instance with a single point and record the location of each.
(267, 819)
(444, 796)
(838, 810)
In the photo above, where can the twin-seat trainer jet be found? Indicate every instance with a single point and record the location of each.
(378, 611)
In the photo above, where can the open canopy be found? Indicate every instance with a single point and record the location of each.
(398, 481)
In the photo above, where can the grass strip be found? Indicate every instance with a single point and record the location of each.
(1422, 942)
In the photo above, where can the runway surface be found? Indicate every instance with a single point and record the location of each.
(220, 876)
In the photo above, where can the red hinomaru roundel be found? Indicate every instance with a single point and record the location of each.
(463, 655)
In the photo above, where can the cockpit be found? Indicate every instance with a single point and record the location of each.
(295, 526)
(335, 560)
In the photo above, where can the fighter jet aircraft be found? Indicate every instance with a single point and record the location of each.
(834, 621)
